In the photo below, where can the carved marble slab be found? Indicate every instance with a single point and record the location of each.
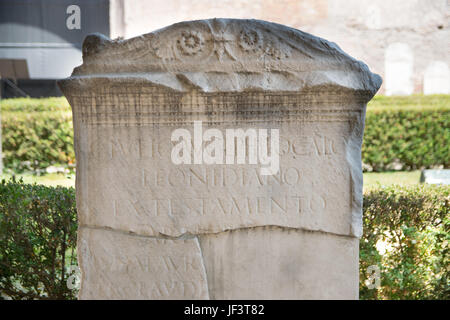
(127, 98)
(121, 266)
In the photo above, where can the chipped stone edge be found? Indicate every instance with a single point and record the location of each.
(135, 58)
(81, 254)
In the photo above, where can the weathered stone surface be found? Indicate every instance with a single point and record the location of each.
(129, 96)
(399, 65)
(117, 265)
(268, 262)
(130, 189)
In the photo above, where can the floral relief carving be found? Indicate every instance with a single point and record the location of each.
(250, 40)
(191, 42)
(199, 44)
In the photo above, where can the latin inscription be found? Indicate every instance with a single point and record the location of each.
(127, 267)
(136, 185)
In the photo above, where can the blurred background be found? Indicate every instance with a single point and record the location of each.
(405, 41)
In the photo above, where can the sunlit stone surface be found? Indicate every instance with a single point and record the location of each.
(152, 229)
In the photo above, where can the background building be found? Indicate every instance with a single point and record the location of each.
(40, 41)
(405, 41)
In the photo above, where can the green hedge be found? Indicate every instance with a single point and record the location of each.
(37, 240)
(407, 133)
(402, 133)
(38, 237)
(407, 236)
(36, 134)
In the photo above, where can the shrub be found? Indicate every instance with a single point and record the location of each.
(406, 234)
(35, 104)
(36, 134)
(402, 133)
(407, 133)
(37, 240)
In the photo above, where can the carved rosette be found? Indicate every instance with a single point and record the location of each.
(190, 43)
(201, 42)
(250, 40)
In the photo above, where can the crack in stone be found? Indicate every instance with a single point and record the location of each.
(188, 235)
(204, 266)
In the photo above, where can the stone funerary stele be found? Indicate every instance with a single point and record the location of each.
(152, 229)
